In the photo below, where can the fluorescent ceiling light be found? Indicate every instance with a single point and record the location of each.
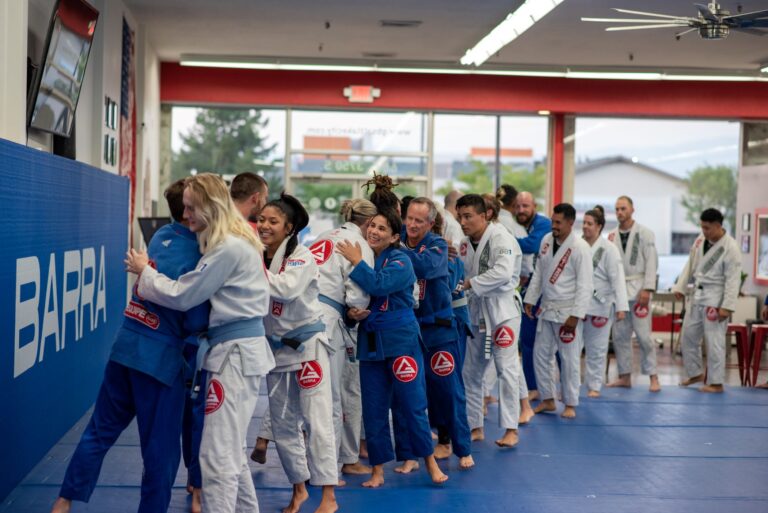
(612, 75)
(505, 32)
(764, 69)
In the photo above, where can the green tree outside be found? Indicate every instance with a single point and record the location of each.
(479, 179)
(711, 187)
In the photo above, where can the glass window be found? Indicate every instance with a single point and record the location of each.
(523, 155)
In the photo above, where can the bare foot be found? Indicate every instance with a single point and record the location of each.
(407, 467)
(526, 412)
(328, 503)
(434, 470)
(692, 380)
(356, 468)
(569, 412)
(297, 499)
(712, 389)
(61, 505)
(197, 503)
(377, 477)
(593, 393)
(341, 482)
(443, 451)
(545, 405)
(477, 435)
(259, 454)
(466, 462)
(624, 381)
(363, 449)
(655, 385)
(509, 440)
(533, 395)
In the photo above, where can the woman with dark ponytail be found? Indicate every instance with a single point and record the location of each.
(383, 196)
(299, 385)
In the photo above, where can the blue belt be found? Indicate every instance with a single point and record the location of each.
(333, 304)
(296, 337)
(380, 321)
(244, 328)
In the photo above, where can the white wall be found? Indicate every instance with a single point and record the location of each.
(752, 194)
(13, 85)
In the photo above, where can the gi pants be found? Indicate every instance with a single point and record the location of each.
(596, 332)
(550, 340)
(622, 341)
(124, 394)
(703, 321)
(230, 400)
(527, 340)
(399, 380)
(506, 360)
(304, 398)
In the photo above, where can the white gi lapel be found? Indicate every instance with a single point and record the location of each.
(482, 247)
(277, 262)
(709, 260)
(480, 264)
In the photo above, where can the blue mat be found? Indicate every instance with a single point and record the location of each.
(628, 451)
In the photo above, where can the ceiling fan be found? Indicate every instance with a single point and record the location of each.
(712, 22)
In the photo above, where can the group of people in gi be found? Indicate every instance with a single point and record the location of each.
(399, 322)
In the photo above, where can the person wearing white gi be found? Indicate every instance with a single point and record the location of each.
(507, 198)
(299, 385)
(563, 280)
(338, 293)
(491, 257)
(230, 275)
(609, 298)
(637, 247)
(714, 267)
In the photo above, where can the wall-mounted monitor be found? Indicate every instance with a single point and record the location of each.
(56, 88)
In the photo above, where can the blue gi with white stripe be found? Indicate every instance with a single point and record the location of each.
(388, 347)
(442, 361)
(144, 378)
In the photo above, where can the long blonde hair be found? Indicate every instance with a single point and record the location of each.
(212, 203)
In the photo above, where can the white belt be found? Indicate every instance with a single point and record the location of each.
(633, 277)
(557, 305)
(459, 302)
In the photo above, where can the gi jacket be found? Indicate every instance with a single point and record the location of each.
(716, 275)
(608, 281)
(563, 280)
(151, 339)
(435, 313)
(293, 303)
(640, 259)
(391, 328)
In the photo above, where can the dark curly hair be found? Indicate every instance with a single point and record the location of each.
(382, 195)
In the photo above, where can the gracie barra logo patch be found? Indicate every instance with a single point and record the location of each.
(137, 312)
(310, 375)
(322, 251)
(442, 363)
(384, 305)
(612, 236)
(504, 336)
(277, 308)
(214, 398)
(641, 311)
(712, 313)
(599, 322)
(422, 288)
(405, 369)
(566, 335)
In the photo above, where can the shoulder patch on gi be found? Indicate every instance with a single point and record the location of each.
(442, 363)
(322, 251)
(310, 375)
(641, 311)
(504, 336)
(544, 248)
(599, 322)
(214, 398)
(566, 336)
(612, 236)
(405, 369)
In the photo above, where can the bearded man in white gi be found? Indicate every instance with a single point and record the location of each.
(563, 280)
(714, 267)
(491, 258)
(637, 246)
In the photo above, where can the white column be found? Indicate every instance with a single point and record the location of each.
(13, 70)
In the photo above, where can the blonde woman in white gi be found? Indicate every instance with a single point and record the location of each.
(300, 395)
(714, 267)
(230, 275)
(337, 294)
(609, 299)
(637, 247)
(563, 280)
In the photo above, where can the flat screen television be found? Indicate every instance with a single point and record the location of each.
(56, 88)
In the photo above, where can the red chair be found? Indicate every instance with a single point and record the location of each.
(742, 350)
(759, 333)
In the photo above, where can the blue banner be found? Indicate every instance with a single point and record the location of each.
(64, 232)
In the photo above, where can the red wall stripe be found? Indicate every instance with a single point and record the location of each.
(733, 100)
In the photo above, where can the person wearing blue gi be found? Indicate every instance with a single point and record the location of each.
(144, 378)
(428, 253)
(537, 227)
(388, 347)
